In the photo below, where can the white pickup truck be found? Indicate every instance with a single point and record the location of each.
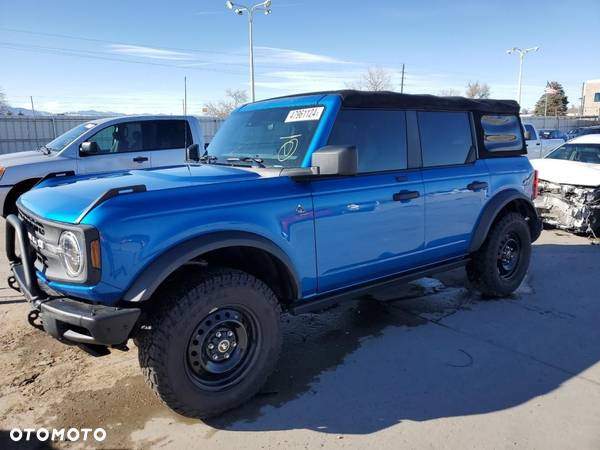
(103, 145)
(537, 147)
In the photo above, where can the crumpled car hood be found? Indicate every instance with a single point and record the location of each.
(567, 172)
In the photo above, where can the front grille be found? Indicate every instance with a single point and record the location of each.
(32, 224)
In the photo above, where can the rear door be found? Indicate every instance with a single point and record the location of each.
(167, 140)
(369, 225)
(120, 147)
(456, 182)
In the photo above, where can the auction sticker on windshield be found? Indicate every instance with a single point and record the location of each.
(300, 115)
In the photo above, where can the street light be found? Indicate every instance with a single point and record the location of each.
(522, 52)
(249, 10)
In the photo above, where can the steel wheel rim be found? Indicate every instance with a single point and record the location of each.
(222, 348)
(509, 255)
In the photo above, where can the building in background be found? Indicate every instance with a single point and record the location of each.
(591, 98)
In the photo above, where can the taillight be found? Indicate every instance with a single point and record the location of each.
(536, 183)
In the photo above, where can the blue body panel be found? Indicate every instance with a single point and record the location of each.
(337, 232)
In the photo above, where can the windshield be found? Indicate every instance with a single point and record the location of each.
(587, 153)
(277, 137)
(66, 138)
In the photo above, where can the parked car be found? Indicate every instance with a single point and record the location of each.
(539, 146)
(573, 133)
(553, 134)
(299, 203)
(103, 145)
(569, 185)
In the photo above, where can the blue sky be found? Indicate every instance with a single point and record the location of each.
(131, 56)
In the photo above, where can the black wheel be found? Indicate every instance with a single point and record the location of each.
(499, 266)
(213, 343)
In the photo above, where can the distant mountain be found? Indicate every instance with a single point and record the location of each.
(90, 112)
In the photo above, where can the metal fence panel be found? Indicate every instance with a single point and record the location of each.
(560, 123)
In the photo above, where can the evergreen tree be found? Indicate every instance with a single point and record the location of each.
(557, 103)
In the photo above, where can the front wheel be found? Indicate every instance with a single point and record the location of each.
(214, 343)
(499, 266)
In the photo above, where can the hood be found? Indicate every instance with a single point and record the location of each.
(64, 200)
(22, 158)
(561, 171)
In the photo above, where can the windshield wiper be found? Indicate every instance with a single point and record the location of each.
(45, 150)
(257, 162)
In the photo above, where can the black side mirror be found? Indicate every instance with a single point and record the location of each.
(336, 160)
(89, 148)
(192, 153)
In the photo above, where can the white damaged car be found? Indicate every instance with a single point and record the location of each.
(569, 185)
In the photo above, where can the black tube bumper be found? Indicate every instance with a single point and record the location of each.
(65, 318)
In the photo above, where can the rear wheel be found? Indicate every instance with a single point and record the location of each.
(499, 266)
(214, 343)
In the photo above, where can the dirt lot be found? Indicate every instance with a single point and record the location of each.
(434, 367)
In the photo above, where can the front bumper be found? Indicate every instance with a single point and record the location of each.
(66, 319)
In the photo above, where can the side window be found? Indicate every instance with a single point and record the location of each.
(446, 138)
(379, 136)
(501, 133)
(123, 137)
(531, 130)
(166, 134)
(597, 97)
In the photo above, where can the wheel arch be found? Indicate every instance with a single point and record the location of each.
(510, 200)
(19, 188)
(238, 250)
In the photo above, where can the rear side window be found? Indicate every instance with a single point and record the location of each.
(446, 138)
(501, 133)
(379, 136)
(166, 134)
(531, 131)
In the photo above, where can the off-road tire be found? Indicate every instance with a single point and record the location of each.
(164, 344)
(483, 270)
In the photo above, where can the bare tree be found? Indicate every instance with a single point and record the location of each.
(3, 103)
(476, 90)
(448, 92)
(375, 79)
(233, 99)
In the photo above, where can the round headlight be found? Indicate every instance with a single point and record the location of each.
(71, 255)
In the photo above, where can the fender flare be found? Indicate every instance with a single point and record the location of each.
(493, 208)
(151, 277)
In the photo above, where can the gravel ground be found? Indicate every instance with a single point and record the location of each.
(431, 366)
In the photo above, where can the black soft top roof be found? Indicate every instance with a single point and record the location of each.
(388, 99)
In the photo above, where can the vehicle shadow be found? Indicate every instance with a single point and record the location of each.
(365, 366)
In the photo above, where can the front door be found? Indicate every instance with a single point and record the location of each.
(119, 147)
(370, 225)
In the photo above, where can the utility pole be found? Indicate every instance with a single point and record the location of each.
(35, 133)
(185, 96)
(402, 80)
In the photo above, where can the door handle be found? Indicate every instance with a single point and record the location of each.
(140, 159)
(404, 196)
(538, 143)
(477, 185)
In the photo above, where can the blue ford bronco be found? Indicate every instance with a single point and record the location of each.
(298, 203)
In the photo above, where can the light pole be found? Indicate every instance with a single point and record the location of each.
(522, 52)
(249, 10)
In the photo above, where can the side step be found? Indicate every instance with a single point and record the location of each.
(328, 300)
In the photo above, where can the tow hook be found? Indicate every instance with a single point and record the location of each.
(12, 283)
(33, 317)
